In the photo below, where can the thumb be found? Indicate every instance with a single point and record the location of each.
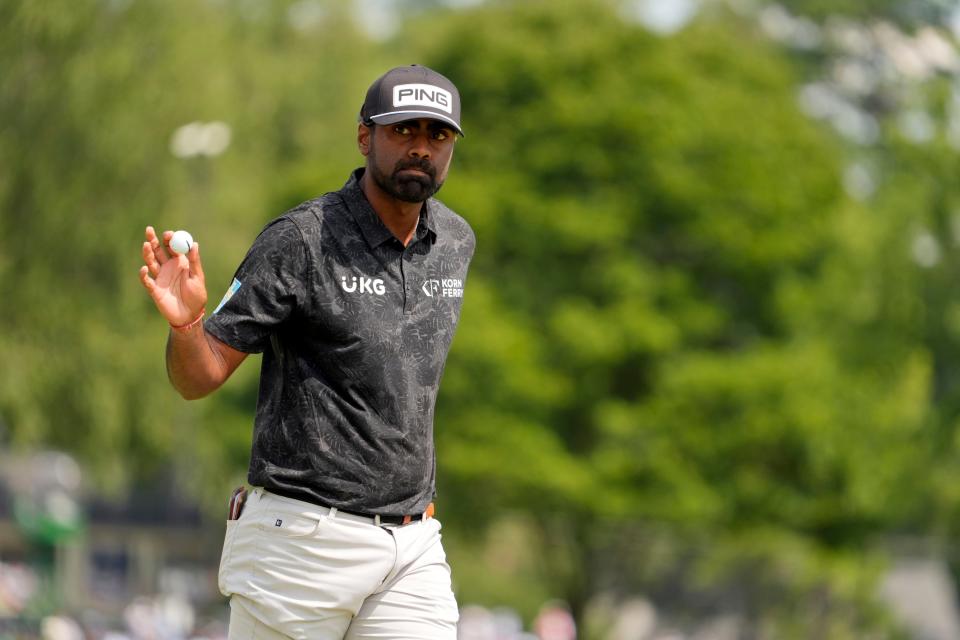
(183, 264)
(193, 258)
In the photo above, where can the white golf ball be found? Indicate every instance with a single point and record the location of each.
(181, 241)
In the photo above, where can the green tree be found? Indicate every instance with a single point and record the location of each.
(91, 97)
(686, 356)
(654, 219)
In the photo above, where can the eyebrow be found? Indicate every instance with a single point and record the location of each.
(432, 125)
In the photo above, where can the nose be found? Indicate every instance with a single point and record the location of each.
(420, 145)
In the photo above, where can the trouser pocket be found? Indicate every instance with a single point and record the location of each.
(223, 575)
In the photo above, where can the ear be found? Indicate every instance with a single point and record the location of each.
(363, 138)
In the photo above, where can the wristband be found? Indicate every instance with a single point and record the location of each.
(191, 324)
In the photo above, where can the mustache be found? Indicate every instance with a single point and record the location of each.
(420, 164)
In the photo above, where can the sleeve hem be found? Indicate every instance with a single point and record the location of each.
(217, 332)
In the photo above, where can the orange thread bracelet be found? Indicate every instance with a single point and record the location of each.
(191, 324)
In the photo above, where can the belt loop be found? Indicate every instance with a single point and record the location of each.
(333, 512)
(424, 516)
(376, 520)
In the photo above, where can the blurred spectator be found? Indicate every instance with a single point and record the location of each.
(555, 622)
(500, 623)
(476, 623)
(18, 584)
(636, 619)
(61, 628)
(167, 617)
(507, 624)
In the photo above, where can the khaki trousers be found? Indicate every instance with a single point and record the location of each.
(296, 570)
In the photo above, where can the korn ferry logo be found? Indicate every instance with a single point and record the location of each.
(364, 285)
(443, 288)
(425, 95)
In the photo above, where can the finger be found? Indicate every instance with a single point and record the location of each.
(193, 255)
(146, 280)
(150, 259)
(182, 270)
(167, 237)
(157, 246)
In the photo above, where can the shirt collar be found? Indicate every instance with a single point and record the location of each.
(372, 227)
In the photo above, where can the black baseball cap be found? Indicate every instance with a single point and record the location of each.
(407, 93)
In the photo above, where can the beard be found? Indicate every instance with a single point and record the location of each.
(408, 187)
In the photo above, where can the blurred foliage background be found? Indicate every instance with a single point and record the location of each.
(708, 345)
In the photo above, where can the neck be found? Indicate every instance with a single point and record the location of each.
(398, 216)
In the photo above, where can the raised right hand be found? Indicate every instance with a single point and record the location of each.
(174, 281)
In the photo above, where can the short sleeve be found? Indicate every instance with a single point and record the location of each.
(268, 287)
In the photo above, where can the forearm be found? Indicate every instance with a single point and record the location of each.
(195, 365)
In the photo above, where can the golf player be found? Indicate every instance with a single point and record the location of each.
(353, 299)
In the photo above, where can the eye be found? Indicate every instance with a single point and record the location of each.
(402, 129)
(442, 134)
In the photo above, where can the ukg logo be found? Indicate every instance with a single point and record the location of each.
(363, 284)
